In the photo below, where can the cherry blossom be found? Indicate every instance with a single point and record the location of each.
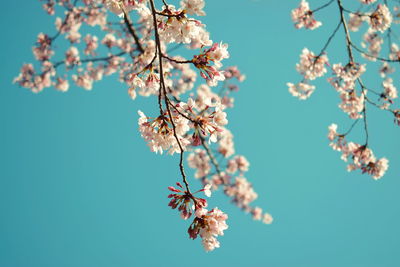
(159, 134)
(301, 90)
(385, 69)
(358, 156)
(194, 7)
(355, 21)
(374, 43)
(208, 225)
(42, 50)
(302, 16)
(390, 90)
(380, 19)
(311, 66)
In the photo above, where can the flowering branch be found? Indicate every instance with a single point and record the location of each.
(346, 78)
(139, 52)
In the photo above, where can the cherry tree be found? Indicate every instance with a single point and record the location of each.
(142, 41)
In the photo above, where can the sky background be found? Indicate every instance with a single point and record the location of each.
(79, 187)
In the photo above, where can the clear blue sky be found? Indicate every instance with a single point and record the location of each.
(79, 187)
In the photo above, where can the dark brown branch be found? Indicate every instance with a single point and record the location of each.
(179, 112)
(131, 30)
(59, 63)
(177, 61)
(163, 88)
(346, 31)
(351, 128)
(364, 92)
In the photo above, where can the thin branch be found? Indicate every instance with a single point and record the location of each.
(179, 112)
(60, 63)
(346, 30)
(351, 127)
(177, 61)
(371, 56)
(364, 92)
(323, 6)
(131, 30)
(330, 39)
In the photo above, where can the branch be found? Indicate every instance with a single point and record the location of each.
(162, 87)
(346, 30)
(131, 30)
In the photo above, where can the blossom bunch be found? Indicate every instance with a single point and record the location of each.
(311, 66)
(303, 17)
(208, 225)
(360, 156)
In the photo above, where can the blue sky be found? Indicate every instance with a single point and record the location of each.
(79, 187)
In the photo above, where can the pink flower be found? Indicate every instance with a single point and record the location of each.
(374, 42)
(91, 44)
(185, 201)
(302, 16)
(72, 56)
(381, 18)
(241, 191)
(42, 50)
(385, 69)
(267, 218)
(214, 54)
(62, 85)
(200, 161)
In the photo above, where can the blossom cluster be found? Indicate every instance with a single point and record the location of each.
(361, 156)
(206, 224)
(303, 17)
